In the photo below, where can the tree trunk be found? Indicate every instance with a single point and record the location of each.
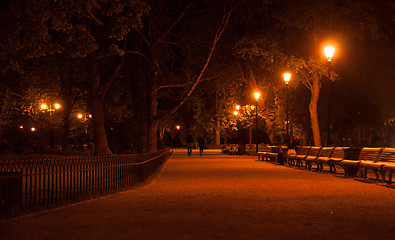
(218, 133)
(315, 94)
(99, 136)
(153, 120)
(97, 101)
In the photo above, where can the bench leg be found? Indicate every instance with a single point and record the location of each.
(390, 177)
(382, 176)
(377, 174)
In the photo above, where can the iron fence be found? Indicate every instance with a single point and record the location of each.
(36, 182)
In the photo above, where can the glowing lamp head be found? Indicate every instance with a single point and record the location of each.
(287, 77)
(257, 95)
(33, 129)
(44, 106)
(57, 105)
(178, 127)
(79, 116)
(329, 51)
(21, 127)
(236, 113)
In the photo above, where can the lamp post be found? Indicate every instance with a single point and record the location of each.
(84, 119)
(51, 110)
(329, 51)
(236, 113)
(256, 96)
(287, 77)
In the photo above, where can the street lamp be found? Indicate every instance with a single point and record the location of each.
(84, 117)
(287, 77)
(256, 96)
(329, 51)
(51, 110)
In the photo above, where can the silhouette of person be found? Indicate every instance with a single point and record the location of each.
(201, 143)
(189, 140)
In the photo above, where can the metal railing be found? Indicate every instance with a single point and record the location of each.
(34, 182)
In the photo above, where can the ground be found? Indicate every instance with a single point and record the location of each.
(217, 196)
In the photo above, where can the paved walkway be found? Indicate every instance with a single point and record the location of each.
(223, 197)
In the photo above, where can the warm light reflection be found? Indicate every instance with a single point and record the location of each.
(252, 107)
(44, 106)
(237, 107)
(236, 113)
(257, 95)
(287, 77)
(329, 51)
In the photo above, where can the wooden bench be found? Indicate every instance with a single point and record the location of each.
(312, 156)
(262, 155)
(335, 159)
(300, 157)
(323, 156)
(291, 155)
(275, 151)
(296, 161)
(367, 154)
(387, 157)
(389, 164)
(230, 149)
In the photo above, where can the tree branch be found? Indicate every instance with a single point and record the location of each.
(139, 53)
(174, 23)
(113, 73)
(221, 29)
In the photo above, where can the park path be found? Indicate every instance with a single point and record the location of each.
(223, 197)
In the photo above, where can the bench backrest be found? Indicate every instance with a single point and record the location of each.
(275, 149)
(314, 151)
(304, 150)
(326, 152)
(387, 155)
(338, 152)
(370, 154)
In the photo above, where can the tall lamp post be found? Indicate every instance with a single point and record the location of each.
(256, 96)
(287, 77)
(51, 111)
(236, 113)
(329, 51)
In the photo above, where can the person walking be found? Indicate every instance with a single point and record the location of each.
(201, 143)
(189, 140)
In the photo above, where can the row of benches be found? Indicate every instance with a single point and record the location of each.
(379, 160)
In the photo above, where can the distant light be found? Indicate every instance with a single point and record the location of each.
(236, 113)
(252, 107)
(33, 129)
(90, 115)
(178, 127)
(237, 107)
(44, 106)
(257, 95)
(21, 127)
(287, 77)
(329, 51)
(79, 116)
(57, 105)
